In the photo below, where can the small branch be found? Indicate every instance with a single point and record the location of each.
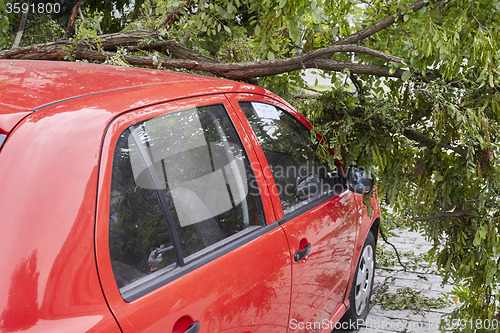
(20, 30)
(175, 15)
(428, 141)
(72, 19)
(416, 119)
(306, 96)
(474, 16)
(444, 215)
(376, 27)
(384, 237)
(357, 85)
(411, 134)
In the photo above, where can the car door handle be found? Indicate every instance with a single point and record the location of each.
(193, 328)
(301, 254)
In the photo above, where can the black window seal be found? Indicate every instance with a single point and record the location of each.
(161, 195)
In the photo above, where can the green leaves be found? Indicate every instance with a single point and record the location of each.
(406, 76)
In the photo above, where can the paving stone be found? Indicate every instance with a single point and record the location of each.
(421, 278)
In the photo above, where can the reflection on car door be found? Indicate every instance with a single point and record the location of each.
(320, 222)
(184, 236)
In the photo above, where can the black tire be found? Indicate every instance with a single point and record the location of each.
(361, 290)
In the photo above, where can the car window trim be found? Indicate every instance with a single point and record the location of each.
(168, 274)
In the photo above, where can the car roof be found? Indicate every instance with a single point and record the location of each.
(33, 85)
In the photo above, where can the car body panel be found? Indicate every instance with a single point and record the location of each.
(49, 271)
(320, 280)
(36, 84)
(10, 116)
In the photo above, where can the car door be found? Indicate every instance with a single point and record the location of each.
(186, 238)
(318, 213)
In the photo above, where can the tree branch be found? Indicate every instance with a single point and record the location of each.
(380, 25)
(411, 134)
(192, 60)
(107, 42)
(175, 15)
(425, 140)
(444, 215)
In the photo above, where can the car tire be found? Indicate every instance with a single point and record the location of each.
(362, 285)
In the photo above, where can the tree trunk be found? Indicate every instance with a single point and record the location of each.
(72, 19)
(20, 30)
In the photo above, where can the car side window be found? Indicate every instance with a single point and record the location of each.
(182, 187)
(299, 173)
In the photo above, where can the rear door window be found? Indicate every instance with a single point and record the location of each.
(182, 187)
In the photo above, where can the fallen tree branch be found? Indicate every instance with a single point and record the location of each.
(106, 42)
(237, 71)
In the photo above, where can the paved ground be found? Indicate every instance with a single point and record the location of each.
(391, 278)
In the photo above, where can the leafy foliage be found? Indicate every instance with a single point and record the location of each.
(430, 132)
(407, 298)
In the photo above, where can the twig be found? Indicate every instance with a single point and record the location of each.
(395, 249)
(380, 25)
(474, 16)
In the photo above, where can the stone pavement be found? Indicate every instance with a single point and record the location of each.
(390, 278)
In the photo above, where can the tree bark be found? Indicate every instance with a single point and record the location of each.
(72, 19)
(234, 71)
(20, 30)
(189, 59)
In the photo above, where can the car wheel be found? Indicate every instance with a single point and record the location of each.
(362, 283)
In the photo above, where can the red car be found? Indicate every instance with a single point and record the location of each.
(141, 200)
